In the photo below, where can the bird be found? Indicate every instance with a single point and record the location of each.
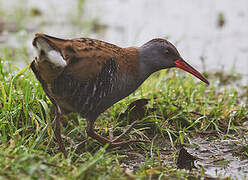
(87, 76)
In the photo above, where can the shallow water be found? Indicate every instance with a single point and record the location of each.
(217, 160)
(192, 25)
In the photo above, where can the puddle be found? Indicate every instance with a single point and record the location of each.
(192, 26)
(217, 159)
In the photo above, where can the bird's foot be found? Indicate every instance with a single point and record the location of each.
(115, 142)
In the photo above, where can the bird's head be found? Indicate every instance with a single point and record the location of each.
(160, 54)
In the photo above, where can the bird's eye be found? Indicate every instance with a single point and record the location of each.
(166, 51)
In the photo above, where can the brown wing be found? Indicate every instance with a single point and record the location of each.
(87, 57)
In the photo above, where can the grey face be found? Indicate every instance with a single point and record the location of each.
(159, 54)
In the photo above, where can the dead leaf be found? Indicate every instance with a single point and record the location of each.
(185, 160)
(136, 110)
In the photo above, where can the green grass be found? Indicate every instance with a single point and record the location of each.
(184, 108)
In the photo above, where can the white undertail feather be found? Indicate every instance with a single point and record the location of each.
(52, 55)
(56, 58)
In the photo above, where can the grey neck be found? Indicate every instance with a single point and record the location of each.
(147, 59)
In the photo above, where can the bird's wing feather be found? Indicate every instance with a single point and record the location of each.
(86, 58)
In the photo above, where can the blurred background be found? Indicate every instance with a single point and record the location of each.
(212, 35)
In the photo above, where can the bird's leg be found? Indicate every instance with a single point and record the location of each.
(115, 142)
(90, 131)
(57, 130)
